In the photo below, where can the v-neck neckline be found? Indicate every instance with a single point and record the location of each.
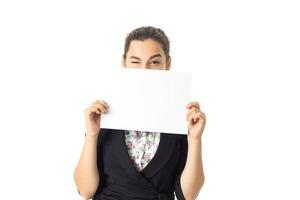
(151, 161)
(162, 155)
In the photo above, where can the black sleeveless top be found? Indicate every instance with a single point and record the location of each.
(119, 179)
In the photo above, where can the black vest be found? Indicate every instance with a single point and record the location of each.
(119, 179)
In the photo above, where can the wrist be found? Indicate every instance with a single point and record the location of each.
(193, 138)
(91, 135)
(91, 131)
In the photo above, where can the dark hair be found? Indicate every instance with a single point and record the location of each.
(148, 32)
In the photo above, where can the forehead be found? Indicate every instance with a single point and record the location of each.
(145, 48)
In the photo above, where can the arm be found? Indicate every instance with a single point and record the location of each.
(86, 174)
(192, 177)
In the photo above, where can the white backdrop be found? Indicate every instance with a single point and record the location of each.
(244, 57)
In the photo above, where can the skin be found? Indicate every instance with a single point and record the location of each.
(147, 54)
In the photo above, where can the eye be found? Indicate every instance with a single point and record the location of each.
(155, 62)
(134, 62)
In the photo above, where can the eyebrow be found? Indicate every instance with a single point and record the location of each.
(134, 57)
(154, 56)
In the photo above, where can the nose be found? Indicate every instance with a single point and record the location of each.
(145, 66)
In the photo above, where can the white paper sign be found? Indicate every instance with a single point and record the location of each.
(146, 100)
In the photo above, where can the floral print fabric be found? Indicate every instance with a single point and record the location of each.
(141, 146)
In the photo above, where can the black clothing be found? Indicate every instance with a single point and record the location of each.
(119, 179)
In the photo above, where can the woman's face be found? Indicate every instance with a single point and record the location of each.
(147, 54)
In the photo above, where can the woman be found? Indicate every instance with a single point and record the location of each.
(115, 164)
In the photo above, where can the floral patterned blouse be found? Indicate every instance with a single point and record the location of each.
(141, 146)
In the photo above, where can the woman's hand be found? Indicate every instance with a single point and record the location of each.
(196, 119)
(92, 116)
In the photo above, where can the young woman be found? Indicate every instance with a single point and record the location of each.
(128, 164)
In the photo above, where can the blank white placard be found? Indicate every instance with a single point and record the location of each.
(145, 100)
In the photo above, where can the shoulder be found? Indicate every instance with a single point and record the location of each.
(104, 130)
(182, 136)
(183, 141)
(178, 137)
(107, 134)
(102, 134)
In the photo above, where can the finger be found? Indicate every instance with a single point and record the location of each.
(100, 104)
(193, 104)
(189, 112)
(90, 110)
(203, 115)
(101, 107)
(104, 102)
(190, 117)
(196, 116)
(96, 110)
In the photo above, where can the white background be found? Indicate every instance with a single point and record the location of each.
(245, 55)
